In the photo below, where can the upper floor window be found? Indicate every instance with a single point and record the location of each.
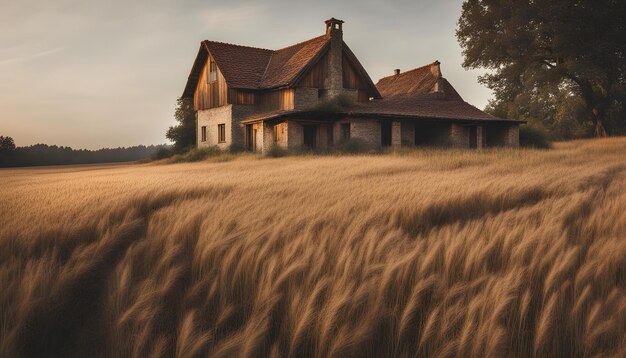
(212, 72)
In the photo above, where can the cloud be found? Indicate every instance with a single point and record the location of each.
(29, 57)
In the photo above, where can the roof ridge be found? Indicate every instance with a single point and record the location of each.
(267, 65)
(300, 43)
(411, 70)
(236, 45)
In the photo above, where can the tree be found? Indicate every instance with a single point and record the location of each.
(7, 143)
(7, 147)
(577, 47)
(550, 108)
(184, 133)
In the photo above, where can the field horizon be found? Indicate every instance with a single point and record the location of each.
(450, 253)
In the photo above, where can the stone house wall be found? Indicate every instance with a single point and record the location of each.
(211, 118)
(512, 139)
(239, 113)
(407, 129)
(459, 136)
(295, 133)
(502, 135)
(305, 97)
(366, 130)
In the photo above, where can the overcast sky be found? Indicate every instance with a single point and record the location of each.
(93, 74)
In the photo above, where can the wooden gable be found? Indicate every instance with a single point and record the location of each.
(316, 76)
(352, 77)
(210, 93)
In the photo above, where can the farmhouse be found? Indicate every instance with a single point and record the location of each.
(316, 94)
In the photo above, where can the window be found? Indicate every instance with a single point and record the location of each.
(345, 131)
(221, 133)
(212, 72)
(203, 133)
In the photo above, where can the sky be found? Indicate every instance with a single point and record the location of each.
(93, 74)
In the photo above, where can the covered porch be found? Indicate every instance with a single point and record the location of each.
(315, 131)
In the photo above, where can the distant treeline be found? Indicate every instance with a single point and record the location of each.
(42, 154)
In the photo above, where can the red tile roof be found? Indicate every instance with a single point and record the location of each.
(410, 95)
(247, 67)
(286, 64)
(418, 81)
(425, 107)
(242, 66)
(421, 93)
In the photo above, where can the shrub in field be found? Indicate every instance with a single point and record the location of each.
(162, 153)
(533, 137)
(276, 151)
(352, 146)
(198, 154)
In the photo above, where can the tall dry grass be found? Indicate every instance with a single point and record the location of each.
(428, 253)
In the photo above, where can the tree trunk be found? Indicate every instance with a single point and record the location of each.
(596, 105)
(600, 130)
(599, 120)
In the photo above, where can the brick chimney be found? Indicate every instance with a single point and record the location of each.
(334, 81)
(435, 68)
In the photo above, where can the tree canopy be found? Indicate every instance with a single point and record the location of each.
(569, 55)
(184, 133)
(6, 143)
(42, 154)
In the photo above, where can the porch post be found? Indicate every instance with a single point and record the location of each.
(396, 135)
(268, 136)
(480, 132)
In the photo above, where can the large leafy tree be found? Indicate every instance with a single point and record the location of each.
(184, 133)
(573, 47)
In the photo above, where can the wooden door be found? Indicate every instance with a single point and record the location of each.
(310, 136)
(249, 138)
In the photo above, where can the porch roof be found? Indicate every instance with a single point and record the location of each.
(407, 108)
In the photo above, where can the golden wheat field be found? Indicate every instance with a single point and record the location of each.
(502, 253)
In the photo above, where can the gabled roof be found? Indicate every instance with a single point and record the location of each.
(418, 81)
(254, 68)
(288, 63)
(247, 67)
(242, 66)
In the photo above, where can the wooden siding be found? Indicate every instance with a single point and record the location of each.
(316, 75)
(210, 94)
(363, 95)
(236, 96)
(353, 80)
(276, 100)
